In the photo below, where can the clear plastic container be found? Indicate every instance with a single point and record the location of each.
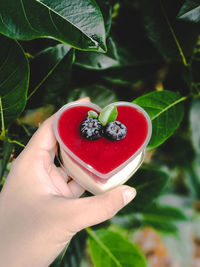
(87, 176)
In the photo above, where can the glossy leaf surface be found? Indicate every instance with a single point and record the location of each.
(14, 78)
(166, 112)
(111, 249)
(78, 23)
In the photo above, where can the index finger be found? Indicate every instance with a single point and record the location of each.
(44, 138)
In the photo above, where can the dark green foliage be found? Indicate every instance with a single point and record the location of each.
(149, 184)
(33, 19)
(142, 51)
(72, 255)
(121, 252)
(166, 112)
(14, 77)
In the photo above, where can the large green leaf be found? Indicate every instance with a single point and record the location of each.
(138, 71)
(190, 11)
(98, 61)
(160, 217)
(78, 23)
(120, 62)
(166, 112)
(14, 77)
(149, 184)
(173, 38)
(106, 11)
(164, 213)
(174, 146)
(162, 226)
(109, 248)
(195, 124)
(50, 75)
(98, 94)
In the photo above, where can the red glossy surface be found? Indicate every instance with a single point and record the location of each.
(102, 154)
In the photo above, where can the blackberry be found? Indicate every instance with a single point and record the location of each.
(91, 129)
(115, 130)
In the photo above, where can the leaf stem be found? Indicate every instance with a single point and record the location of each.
(168, 107)
(3, 131)
(16, 142)
(174, 35)
(24, 127)
(95, 237)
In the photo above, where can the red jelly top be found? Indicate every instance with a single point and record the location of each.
(103, 155)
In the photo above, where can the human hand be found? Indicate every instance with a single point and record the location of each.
(40, 212)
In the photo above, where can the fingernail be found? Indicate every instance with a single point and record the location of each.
(128, 195)
(86, 99)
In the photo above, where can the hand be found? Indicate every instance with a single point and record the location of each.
(40, 212)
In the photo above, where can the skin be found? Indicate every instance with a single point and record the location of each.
(40, 212)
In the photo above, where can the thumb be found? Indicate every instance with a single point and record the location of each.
(96, 209)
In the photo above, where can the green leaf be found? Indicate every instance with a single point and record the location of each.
(100, 95)
(108, 114)
(92, 114)
(190, 11)
(72, 255)
(160, 217)
(139, 221)
(50, 75)
(164, 213)
(106, 10)
(162, 226)
(174, 39)
(98, 61)
(78, 23)
(166, 112)
(14, 79)
(109, 248)
(149, 184)
(174, 146)
(139, 71)
(195, 124)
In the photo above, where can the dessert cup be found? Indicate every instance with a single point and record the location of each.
(87, 174)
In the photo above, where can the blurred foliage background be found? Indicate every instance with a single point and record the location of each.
(56, 51)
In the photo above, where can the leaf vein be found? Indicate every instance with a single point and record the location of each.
(26, 18)
(168, 107)
(9, 76)
(5, 61)
(96, 239)
(54, 11)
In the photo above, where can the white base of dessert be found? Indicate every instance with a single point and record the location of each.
(94, 186)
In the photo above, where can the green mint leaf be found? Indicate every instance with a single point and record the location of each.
(108, 114)
(92, 114)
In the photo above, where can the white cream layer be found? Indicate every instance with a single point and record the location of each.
(94, 186)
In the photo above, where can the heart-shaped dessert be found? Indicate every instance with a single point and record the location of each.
(102, 164)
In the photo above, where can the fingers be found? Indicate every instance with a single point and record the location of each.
(44, 138)
(75, 189)
(93, 210)
(59, 178)
(84, 99)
